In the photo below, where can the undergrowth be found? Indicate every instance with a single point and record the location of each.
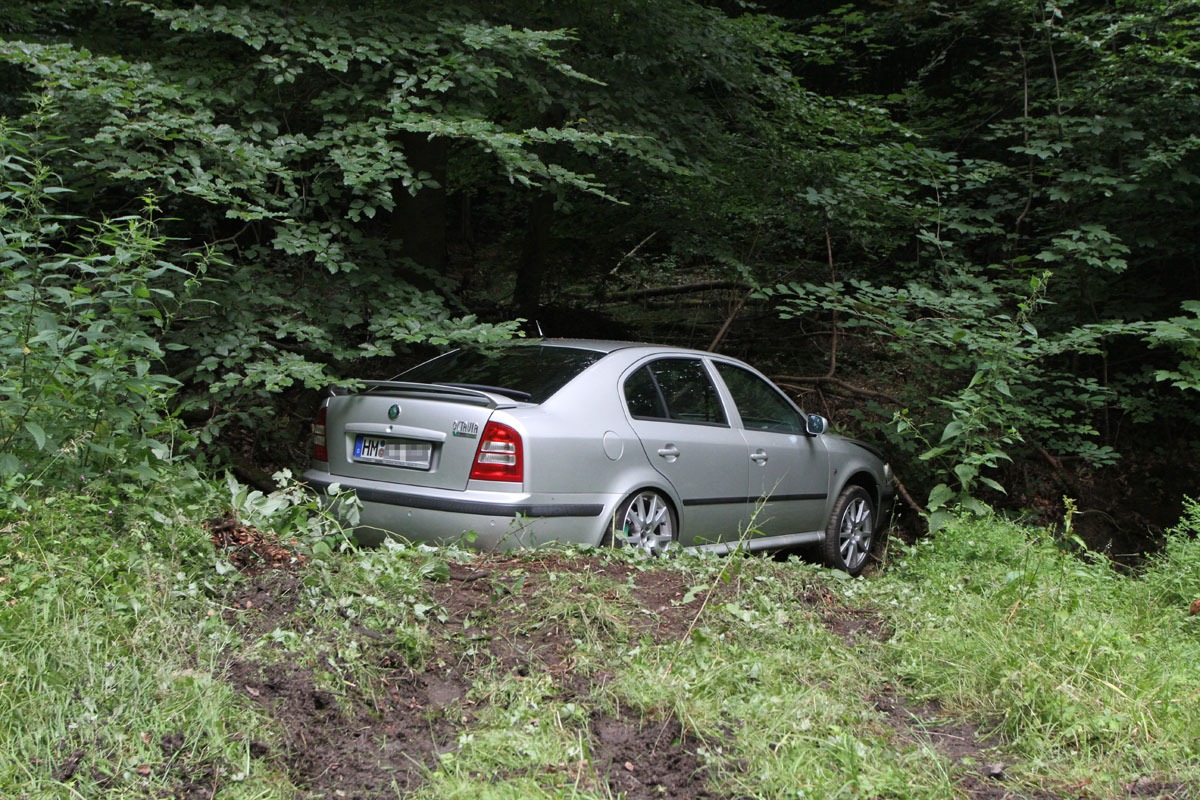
(773, 678)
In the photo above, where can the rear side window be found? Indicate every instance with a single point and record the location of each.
(525, 372)
(674, 389)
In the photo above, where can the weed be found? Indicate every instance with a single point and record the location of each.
(591, 673)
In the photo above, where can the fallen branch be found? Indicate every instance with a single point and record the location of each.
(828, 379)
(908, 498)
(737, 307)
(687, 288)
(631, 253)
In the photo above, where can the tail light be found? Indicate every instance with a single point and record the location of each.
(320, 452)
(500, 456)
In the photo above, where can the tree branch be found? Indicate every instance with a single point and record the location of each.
(631, 253)
(737, 307)
(828, 380)
(687, 288)
(908, 498)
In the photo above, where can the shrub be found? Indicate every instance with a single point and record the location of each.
(83, 387)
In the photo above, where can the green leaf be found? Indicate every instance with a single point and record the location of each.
(9, 464)
(966, 474)
(953, 429)
(939, 496)
(939, 520)
(39, 435)
(994, 484)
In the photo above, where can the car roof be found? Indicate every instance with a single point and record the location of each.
(613, 345)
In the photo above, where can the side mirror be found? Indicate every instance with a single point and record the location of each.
(815, 425)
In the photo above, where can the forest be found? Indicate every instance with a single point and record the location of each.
(965, 232)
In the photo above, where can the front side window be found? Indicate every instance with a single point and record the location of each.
(761, 406)
(674, 389)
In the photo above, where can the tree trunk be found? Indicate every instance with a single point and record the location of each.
(531, 269)
(419, 220)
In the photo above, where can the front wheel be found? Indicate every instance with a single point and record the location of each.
(645, 520)
(851, 531)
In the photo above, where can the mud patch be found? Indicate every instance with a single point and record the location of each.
(264, 603)
(1147, 788)
(856, 624)
(983, 773)
(852, 625)
(344, 746)
(642, 760)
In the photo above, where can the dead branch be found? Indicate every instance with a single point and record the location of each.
(833, 341)
(831, 381)
(908, 498)
(737, 308)
(688, 288)
(631, 253)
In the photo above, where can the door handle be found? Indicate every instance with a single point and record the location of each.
(759, 457)
(669, 452)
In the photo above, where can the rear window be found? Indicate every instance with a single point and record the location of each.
(529, 373)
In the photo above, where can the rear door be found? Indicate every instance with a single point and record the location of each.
(677, 413)
(788, 478)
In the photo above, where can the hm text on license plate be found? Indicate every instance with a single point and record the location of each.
(393, 452)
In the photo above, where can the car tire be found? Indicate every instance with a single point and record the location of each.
(644, 520)
(850, 533)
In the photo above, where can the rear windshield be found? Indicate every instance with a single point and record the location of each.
(530, 373)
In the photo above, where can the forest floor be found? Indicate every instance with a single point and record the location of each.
(374, 744)
(236, 662)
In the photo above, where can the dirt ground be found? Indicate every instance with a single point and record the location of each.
(360, 747)
(382, 741)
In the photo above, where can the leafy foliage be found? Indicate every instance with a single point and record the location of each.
(284, 142)
(88, 305)
(373, 179)
(1047, 219)
(1181, 334)
(991, 385)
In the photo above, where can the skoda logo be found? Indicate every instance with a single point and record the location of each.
(393, 412)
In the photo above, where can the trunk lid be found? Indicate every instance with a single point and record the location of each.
(409, 433)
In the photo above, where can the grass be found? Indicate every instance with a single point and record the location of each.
(592, 675)
(1071, 660)
(109, 655)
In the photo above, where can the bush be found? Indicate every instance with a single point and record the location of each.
(83, 387)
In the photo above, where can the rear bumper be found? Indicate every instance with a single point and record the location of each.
(485, 520)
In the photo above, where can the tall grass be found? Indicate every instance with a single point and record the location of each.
(1078, 679)
(111, 657)
(1070, 662)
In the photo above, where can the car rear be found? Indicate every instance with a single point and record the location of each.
(446, 452)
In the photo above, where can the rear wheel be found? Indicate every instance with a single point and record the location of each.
(645, 520)
(851, 531)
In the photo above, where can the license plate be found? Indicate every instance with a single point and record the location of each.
(393, 452)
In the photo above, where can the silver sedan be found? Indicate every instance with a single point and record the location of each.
(598, 443)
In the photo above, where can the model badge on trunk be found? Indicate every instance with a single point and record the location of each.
(467, 430)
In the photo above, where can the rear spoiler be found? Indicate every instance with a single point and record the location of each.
(432, 391)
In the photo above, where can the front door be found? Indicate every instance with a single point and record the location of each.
(788, 469)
